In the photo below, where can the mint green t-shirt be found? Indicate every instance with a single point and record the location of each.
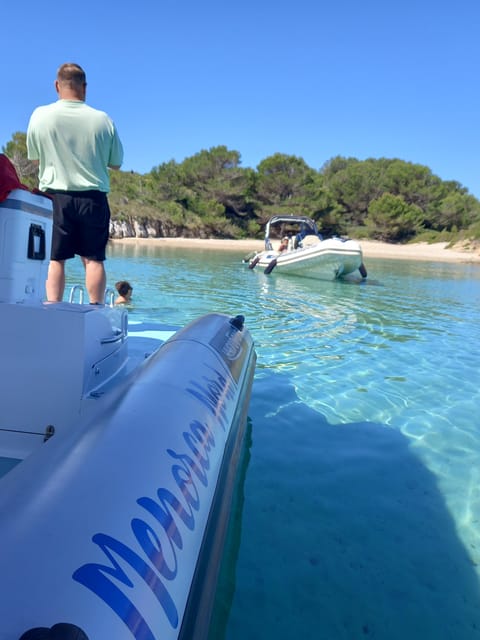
(74, 144)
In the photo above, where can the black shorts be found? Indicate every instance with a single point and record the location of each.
(81, 224)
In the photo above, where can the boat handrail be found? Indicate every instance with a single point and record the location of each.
(109, 297)
(119, 334)
(117, 337)
(81, 293)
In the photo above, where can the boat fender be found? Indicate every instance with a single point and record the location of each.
(271, 266)
(254, 263)
(60, 631)
(249, 256)
(363, 271)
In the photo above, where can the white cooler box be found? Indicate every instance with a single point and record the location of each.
(25, 238)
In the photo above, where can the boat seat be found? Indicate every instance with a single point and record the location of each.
(310, 241)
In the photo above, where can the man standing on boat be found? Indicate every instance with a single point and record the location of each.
(75, 145)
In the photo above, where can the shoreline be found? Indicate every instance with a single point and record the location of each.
(436, 252)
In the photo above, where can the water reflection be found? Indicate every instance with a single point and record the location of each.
(346, 534)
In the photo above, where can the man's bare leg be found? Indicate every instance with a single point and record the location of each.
(95, 280)
(55, 285)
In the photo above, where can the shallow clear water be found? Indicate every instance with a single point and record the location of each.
(361, 516)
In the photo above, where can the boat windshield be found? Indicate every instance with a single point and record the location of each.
(297, 227)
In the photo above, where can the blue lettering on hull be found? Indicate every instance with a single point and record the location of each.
(154, 564)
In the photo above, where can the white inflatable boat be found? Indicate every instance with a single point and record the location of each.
(303, 252)
(118, 455)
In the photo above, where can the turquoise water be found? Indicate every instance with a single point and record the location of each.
(361, 515)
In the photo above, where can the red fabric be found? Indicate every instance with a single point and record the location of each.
(8, 178)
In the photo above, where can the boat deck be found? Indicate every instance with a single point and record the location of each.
(143, 340)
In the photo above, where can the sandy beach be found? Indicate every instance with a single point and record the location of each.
(437, 252)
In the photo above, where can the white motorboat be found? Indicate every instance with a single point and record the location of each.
(119, 447)
(303, 252)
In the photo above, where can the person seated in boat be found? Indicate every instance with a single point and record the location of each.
(125, 290)
(283, 244)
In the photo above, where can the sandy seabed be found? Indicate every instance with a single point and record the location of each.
(436, 252)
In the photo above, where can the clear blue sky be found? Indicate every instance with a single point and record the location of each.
(311, 78)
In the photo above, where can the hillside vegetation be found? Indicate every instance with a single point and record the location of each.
(209, 195)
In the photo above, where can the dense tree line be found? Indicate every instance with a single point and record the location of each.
(210, 195)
